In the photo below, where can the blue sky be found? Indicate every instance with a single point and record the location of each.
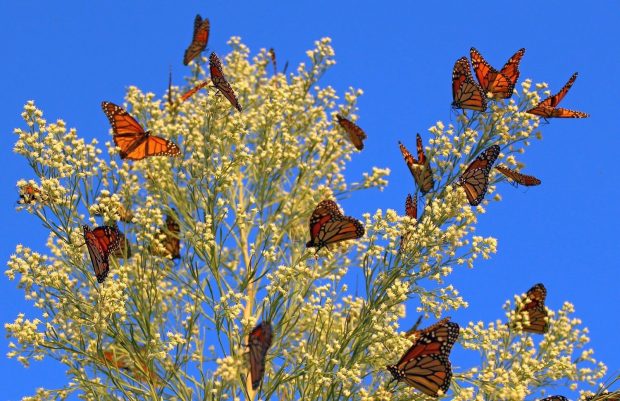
(70, 56)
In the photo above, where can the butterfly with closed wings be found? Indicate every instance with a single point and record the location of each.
(548, 107)
(496, 84)
(134, 141)
(518, 178)
(356, 134)
(101, 243)
(426, 365)
(259, 342)
(534, 305)
(475, 179)
(466, 93)
(411, 210)
(220, 82)
(328, 226)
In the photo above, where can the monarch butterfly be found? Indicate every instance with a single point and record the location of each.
(555, 398)
(101, 242)
(425, 365)
(534, 305)
(519, 178)
(195, 89)
(411, 210)
(220, 82)
(199, 39)
(259, 342)
(421, 168)
(497, 84)
(124, 248)
(548, 107)
(466, 93)
(356, 134)
(135, 143)
(28, 194)
(121, 358)
(125, 215)
(171, 241)
(475, 179)
(328, 226)
(272, 56)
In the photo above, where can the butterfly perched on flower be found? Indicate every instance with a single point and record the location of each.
(101, 243)
(259, 342)
(28, 194)
(134, 362)
(135, 143)
(272, 56)
(475, 179)
(548, 107)
(534, 304)
(220, 82)
(328, 225)
(426, 365)
(199, 39)
(411, 210)
(420, 169)
(496, 84)
(171, 241)
(356, 134)
(527, 180)
(466, 93)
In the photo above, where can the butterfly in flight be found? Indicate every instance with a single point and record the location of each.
(534, 305)
(328, 226)
(199, 40)
(259, 342)
(192, 91)
(426, 365)
(548, 107)
(135, 143)
(101, 242)
(497, 84)
(171, 241)
(518, 178)
(411, 210)
(356, 134)
(466, 93)
(421, 168)
(475, 179)
(220, 82)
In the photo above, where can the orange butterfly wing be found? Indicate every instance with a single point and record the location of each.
(497, 84)
(475, 179)
(101, 242)
(426, 365)
(517, 177)
(192, 91)
(466, 93)
(423, 175)
(220, 82)
(534, 305)
(199, 39)
(548, 107)
(328, 225)
(356, 134)
(135, 143)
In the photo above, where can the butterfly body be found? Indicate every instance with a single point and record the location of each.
(101, 243)
(328, 225)
(135, 142)
(475, 179)
(497, 84)
(426, 365)
(466, 93)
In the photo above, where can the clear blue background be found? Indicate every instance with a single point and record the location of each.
(69, 56)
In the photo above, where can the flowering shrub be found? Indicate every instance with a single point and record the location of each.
(242, 194)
